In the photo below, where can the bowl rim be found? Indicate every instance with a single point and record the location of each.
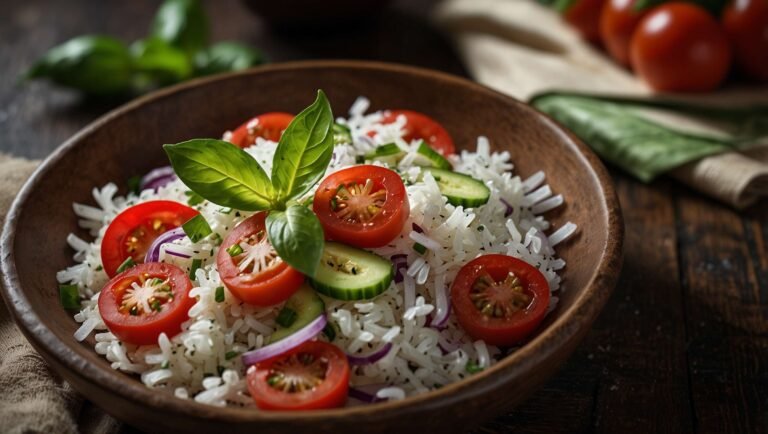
(516, 365)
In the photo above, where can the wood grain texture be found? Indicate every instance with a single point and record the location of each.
(671, 351)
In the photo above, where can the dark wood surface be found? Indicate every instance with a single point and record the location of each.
(682, 346)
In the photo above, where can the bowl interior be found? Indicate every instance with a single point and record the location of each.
(128, 142)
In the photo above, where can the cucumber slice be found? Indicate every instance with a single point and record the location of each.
(389, 153)
(307, 305)
(348, 273)
(428, 157)
(342, 135)
(460, 189)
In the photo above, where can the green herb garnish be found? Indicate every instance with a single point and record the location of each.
(472, 367)
(197, 228)
(196, 263)
(234, 250)
(230, 355)
(69, 296)
(219, 296)
(329, 331)
(165, 365)
(193, 198)
(134, 184)
(419, 248)
(128, 263)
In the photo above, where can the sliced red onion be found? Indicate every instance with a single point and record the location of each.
(417, 228)
(370, 357)
(442, 308)
(157, 178)
(153, 254)
(367, 393)
(446, 346)
(299, 337)
(170, 251)
(400, 261)
(509, 210)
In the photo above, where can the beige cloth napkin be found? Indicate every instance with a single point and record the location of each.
(522, 48)
(32, 398)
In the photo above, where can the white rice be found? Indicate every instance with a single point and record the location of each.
(202, 362)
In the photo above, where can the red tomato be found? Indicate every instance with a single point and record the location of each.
(132, 232)
(364, 206)
(680, 47)
(618, 21)
(253, 272)
(311, 376)
(269, 126)
(499, 299)
(746, 23)
(421, 126)
(144, 301)
(584, 15)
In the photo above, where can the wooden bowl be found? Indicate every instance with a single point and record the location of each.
(128, 141)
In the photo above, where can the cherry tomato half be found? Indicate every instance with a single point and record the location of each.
(250, 267)
(311, 376)
(421, 126)
(132, 232)
(618, 21)
(679, 47)
(584, 15)
(499, 299)
(144, 301)
(268, 126)
(746, 23)
(364, 206)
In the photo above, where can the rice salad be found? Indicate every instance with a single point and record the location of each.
(395, 348)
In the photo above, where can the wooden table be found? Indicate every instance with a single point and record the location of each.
(681, 347)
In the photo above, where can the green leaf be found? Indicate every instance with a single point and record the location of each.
(197, 228)
(158, 63)
(304, 151)
(183, 24)
(641, 147)
(97, 65)
(563, 5)
(219, 294)
(225, 57)
(297, 236)
(222, 173)
(128, 263)
(196, 263)
(69, 296)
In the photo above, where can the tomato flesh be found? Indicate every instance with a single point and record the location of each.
(746, 23)
(252, 270)
(132, 232)
(679, 47)
(499, 299)
(144, 301)
(312, 376)
(421, 126)
(618, 21)
(268, 126)
(364, 206)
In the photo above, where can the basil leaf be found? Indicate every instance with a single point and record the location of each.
(304, 151)
(197, 228)
(641, 147)
(222, 173)
(96, 65)
(158, 63)
(297, 237)
(226, 57)
(183, 24)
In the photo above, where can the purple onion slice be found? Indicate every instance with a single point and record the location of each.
(153, 253)
(267, 352)
(510, 208)
(157, 178)
(370, 357)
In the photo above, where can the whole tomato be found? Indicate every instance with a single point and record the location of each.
(680, 47)
(746, 23)
(618, 21)
(584, 15)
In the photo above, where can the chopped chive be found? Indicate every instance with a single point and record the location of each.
(156, 306)
(197, 228)
(193, 198)
(165, 365)
(196, 263)
(234, 250)
(273, 379)
(219, 297)
(334, 203)
(419, 248)
(69, 296)
(286, 317)
(230, 355)
(359, 159)
(128, 263)
(99, 268)
(473, 368)
(216, 240)
(225, 210)
(329, 331)
(134, 184)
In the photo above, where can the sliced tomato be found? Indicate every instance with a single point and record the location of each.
(144, 301)
(421, 126)
(250, 267)
(364, 206)
(132, 232)
(268, 126)
(499, 299)
(311, 376)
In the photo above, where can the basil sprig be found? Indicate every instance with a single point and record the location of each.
(226, 175)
